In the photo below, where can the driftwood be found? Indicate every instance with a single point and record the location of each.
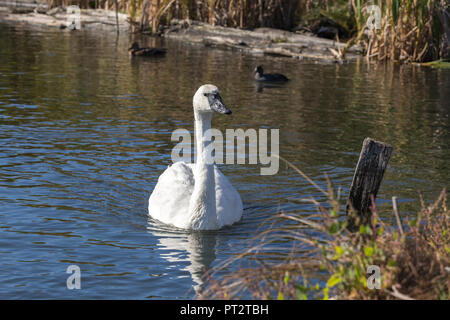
(369, 172)
(259, 41)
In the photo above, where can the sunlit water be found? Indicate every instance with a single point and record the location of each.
(85, 133)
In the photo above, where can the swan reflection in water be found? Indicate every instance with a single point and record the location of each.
(200, 248)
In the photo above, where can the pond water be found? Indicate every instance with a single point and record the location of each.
(85, 134)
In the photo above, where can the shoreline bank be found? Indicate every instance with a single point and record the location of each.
(260, 41)
(91, 19)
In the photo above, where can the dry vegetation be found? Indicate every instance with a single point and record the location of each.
(409, 30)
(413, 257)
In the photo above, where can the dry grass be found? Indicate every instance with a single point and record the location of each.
(410, 30)
(413, 258)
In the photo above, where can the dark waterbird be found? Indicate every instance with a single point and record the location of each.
(135, 50)
(268, 77)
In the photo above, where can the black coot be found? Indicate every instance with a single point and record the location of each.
(269, 77)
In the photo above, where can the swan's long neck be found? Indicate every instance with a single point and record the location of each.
(202, 206)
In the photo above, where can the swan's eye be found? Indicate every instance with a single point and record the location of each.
(214, 95)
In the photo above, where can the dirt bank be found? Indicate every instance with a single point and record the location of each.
(90, 19)
(257, 41)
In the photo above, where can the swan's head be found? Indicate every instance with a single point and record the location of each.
(208, 99)
(258, 70)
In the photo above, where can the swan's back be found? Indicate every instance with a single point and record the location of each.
(169, 201)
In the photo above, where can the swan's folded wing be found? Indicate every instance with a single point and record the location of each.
(169, 201)
(228, 201)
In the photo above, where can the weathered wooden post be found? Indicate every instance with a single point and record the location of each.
(369, 172)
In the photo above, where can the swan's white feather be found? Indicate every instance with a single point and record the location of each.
(197, 196)
(169, 201)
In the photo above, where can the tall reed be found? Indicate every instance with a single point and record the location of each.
(410, 30)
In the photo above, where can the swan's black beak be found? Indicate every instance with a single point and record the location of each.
(216, 103)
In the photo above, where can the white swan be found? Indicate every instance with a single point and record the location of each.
(197, 196)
